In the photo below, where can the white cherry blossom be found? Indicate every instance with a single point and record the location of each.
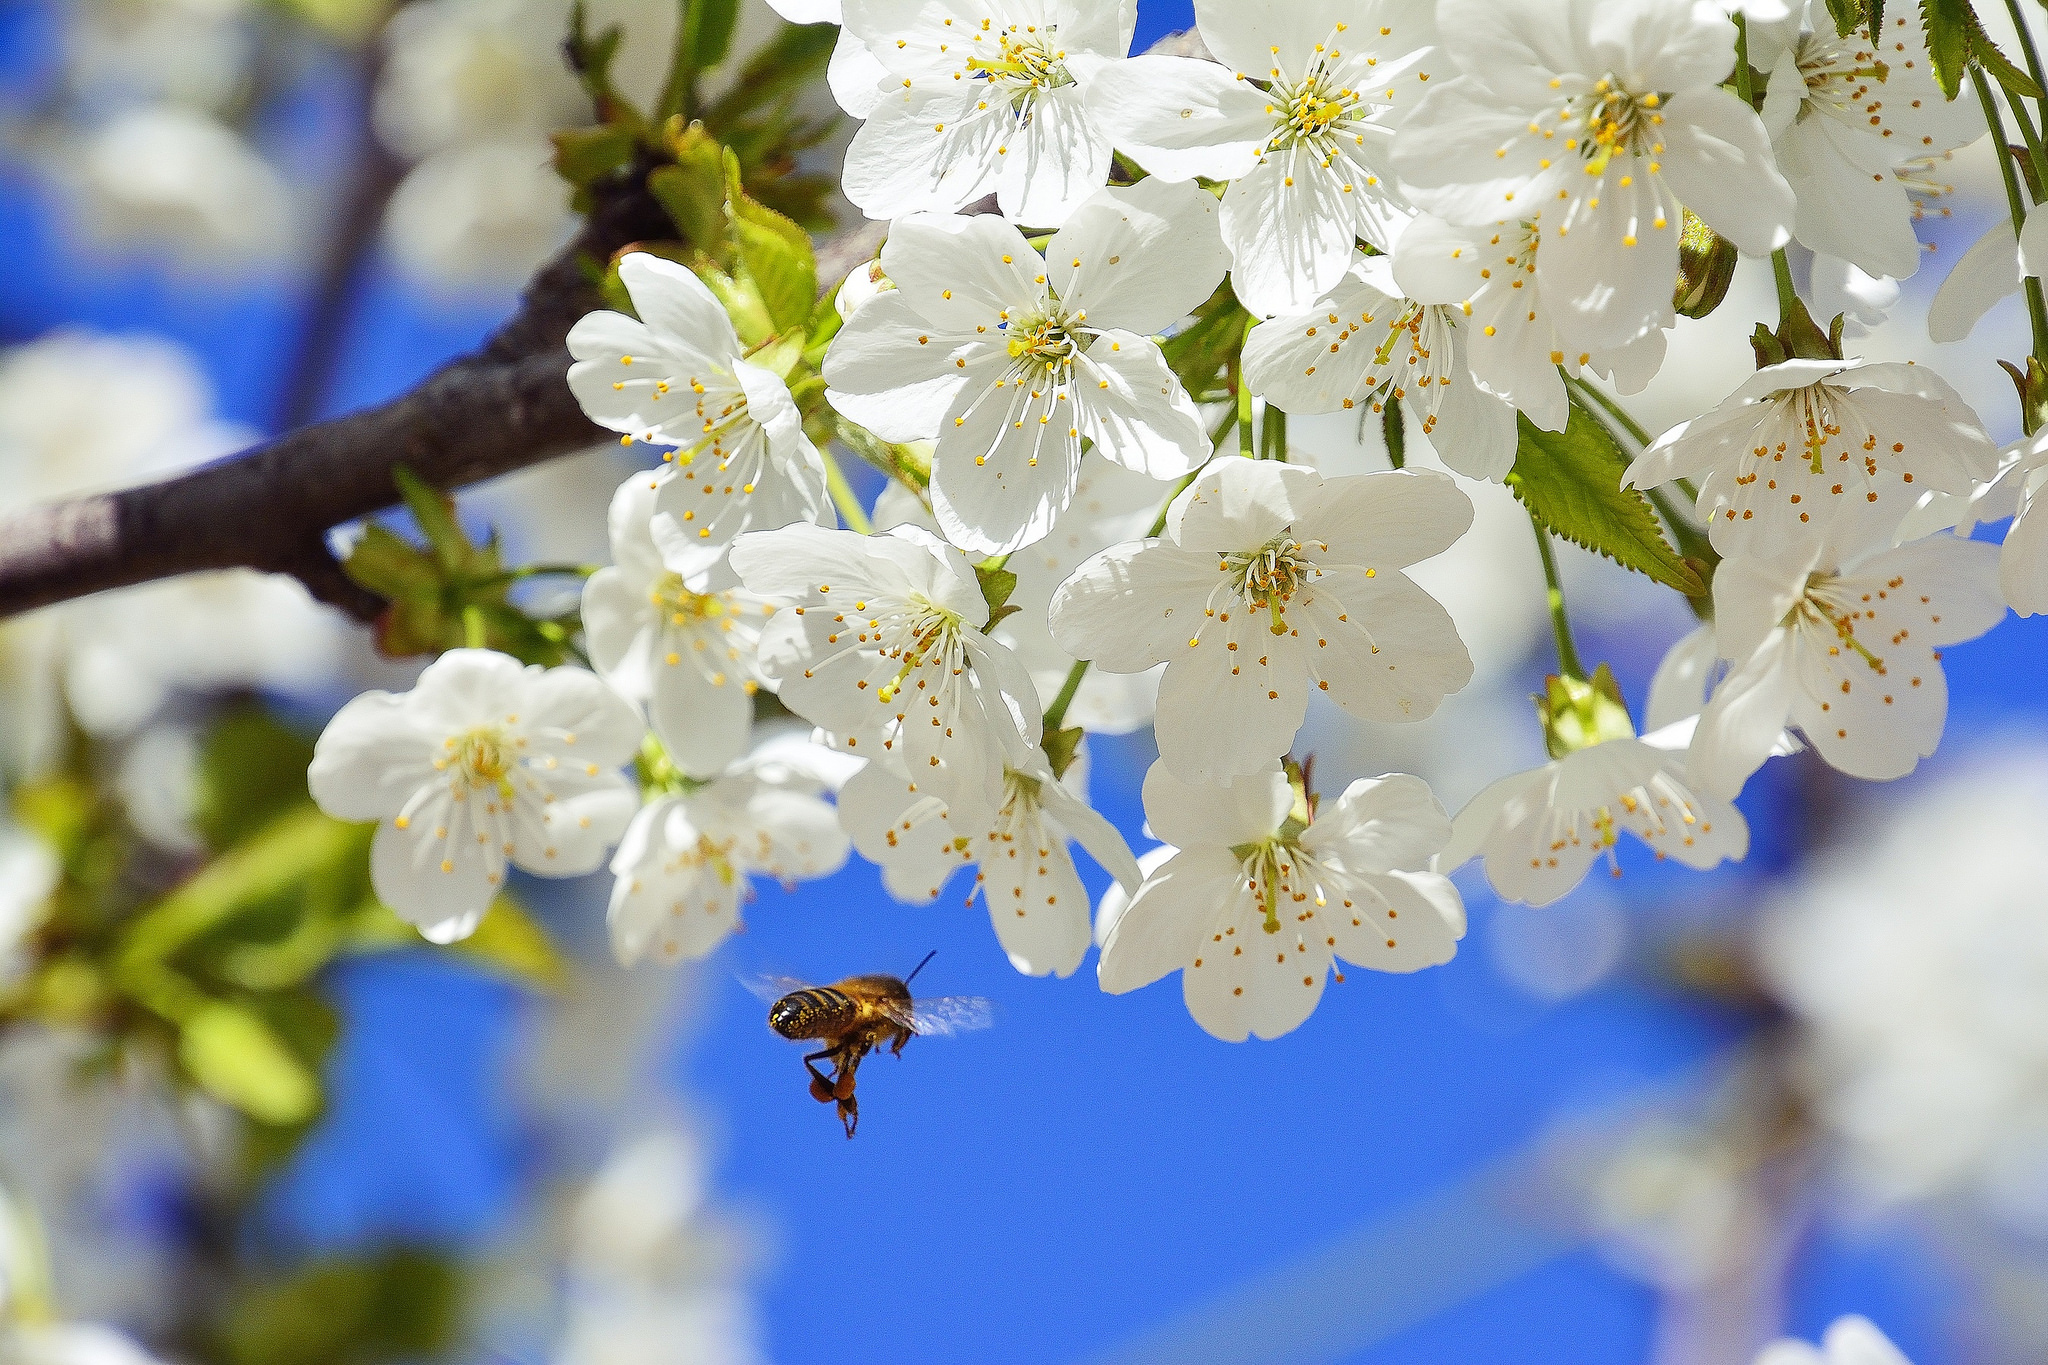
(1299, 118)
(483, 764)
(1363, 343)
(979, 96)
(689, 657)
(1822, 447)
(1850, 653)
(1595, 123)
(1511, 337)
(1111, 505)
(675, 376)
(1842, 115)
(1024, 869)
(1540, 831)
(1851, 1340)
(1255, 906)
(684, 865)
(884, 649)
(1013, 363)
(1272, 580)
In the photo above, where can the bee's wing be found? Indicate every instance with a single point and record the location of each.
(942, 1015)
(771, 988)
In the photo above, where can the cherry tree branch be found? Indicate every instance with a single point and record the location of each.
(504, 407)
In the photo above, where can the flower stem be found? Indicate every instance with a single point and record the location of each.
(2033, 56)
(850, 511)
(1245, 444)
(1788, 296)
(1056, 714)
(1613, 409)
(475, 635)
(1745, 87)
(2037, 309)
(1273, 435)
(1567, 653)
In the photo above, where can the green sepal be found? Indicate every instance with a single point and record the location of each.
(1578, 713)
(692, 192)
(2032, 384)
(998, 585)
(1571, 483)
(1062, 747)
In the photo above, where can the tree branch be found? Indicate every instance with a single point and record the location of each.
(501, 408)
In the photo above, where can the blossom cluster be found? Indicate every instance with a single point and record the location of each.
(1464, 211)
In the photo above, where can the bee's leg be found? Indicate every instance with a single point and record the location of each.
(849, 1113)
(849, 1063)
(903, 1035)
(821, 1084)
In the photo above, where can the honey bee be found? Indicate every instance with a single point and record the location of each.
(854, 1017)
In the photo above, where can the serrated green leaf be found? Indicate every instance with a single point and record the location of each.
(1847, 14)
(235, 1056)
(798, 56)
(1948, 41)
(1571, 482)
(693, 192)
(2017, 83)
(774, 252)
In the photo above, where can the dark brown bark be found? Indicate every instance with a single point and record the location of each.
(501, 408)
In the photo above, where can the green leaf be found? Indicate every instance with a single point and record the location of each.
(774, 252)
(235, 1057)
(705, 38)
(693, 193)
(252, 768)
(1571, 482)
(400, 1304)
(1394, 431)
(2018, 84)
(1948, 41)
(797, 57)
(591, 58)
(1207, 349)
(1847, 14)
(585, 155)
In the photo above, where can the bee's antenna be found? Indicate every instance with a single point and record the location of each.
(920, 966)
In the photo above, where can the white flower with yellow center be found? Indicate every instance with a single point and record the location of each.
(1014, 363)
(675, 376)
(1595, 122)
(979, 97)
(1363, 345)
(1511, 340)
(683, 868)
(1299, 118)
(689, 657)
(484, 764)
(1261, 895)
(884, 650)
(1272, 581)
(1844, 115)
(1541, 831)
(1111, 505)
(1834, 448)
(1848, 653)
(1024, 870)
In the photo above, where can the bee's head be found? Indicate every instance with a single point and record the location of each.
(790, 1017)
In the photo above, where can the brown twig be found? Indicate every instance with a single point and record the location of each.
(503, 407)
